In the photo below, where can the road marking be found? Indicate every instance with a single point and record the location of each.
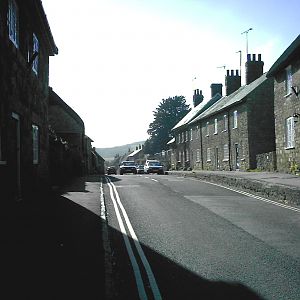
(252, 196)
(137, 273)
(154, 180)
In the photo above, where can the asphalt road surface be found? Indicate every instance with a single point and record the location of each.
(182, 238)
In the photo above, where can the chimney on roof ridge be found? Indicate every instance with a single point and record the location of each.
(232, 81)
(197, 97)
(216, 88)
(254, 68)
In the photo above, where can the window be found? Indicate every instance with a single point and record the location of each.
(191, 131)
(225, 122)
(182, 137)
(178, 139)
(186, 136)
(208, 156)
(235, 116)
(226, 152)
(187, 155)
(207, 128)
(13, 22)
(216, 126)
(288, 80)
(35, 144)
(198, 132)
(35, 49)
(290, 133)
(198, 155)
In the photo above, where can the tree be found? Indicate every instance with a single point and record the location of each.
(168, 113)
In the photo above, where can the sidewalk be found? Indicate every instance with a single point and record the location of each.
(284, 188)
(51, 246)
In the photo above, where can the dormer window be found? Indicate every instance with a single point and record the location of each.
(13, 22)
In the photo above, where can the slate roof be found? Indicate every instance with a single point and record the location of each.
(196, 111)
(135, 152)
(292, 51)
(227, 101)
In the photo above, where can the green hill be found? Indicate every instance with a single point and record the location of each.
(109, 153)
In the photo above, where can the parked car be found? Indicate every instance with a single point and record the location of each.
(153, 166)
(127, 166)
(140, 169)
(111, 170)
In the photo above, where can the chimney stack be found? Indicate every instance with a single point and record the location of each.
(232, 81)
(197, 98)
(216, 88)
(254, 68)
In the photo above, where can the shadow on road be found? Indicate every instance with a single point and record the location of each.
(51, 248)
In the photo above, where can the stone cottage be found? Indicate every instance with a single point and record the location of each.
(185, 134)
(70, 127)
(240, 125)
(26, 43)
(286, 74)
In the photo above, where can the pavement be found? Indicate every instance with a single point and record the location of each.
(281, 187)
(52, 245)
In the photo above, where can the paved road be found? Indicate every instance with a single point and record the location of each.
(199, 241)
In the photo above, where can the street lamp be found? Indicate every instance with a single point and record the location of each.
(246, 32)
(240, 52)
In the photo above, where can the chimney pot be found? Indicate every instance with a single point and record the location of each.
(248, 57)
(231, 73)
(254, 57)
(227, 72)
(259, 57)
(236, 72)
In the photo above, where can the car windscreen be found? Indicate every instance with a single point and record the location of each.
(128, 163)
(154, 163)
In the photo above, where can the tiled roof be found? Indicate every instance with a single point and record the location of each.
(233, 98)
(196, 111)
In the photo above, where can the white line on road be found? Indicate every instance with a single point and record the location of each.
(139, 281)
(253, 196)
(154, 180)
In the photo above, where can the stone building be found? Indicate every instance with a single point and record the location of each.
(69, 126)
(286, 74)
(26, 43)
(240, 125)
(184, 134)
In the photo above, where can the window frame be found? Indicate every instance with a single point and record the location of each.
(288, 80)
(35, 144)
(235, 119)
(216, 126)
(197, 155)
(13, 22)
(225, 152)
(225, 123)
(290, 133)
(35, 48)
(207, 128)
(208, 154)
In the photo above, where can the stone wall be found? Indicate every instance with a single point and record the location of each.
(266, 161)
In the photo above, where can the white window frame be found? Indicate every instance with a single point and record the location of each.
(35, 48)
(288, 80)
(225, 123)
(235, 119)
(187, 155)
(197, 155)
(191, 132)
(216, 126)
(186, 136)
(208, 154)
(207, 128)
(226, 152)
(198, 132)
(13, 22)
(290, 133)
(35, 144)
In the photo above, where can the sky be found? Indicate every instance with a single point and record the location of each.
(118, 59)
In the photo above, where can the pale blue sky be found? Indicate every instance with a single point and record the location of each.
(119, 58)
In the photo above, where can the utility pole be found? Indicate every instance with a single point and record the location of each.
(246, 33)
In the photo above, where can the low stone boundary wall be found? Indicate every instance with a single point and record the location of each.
(279, 193)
